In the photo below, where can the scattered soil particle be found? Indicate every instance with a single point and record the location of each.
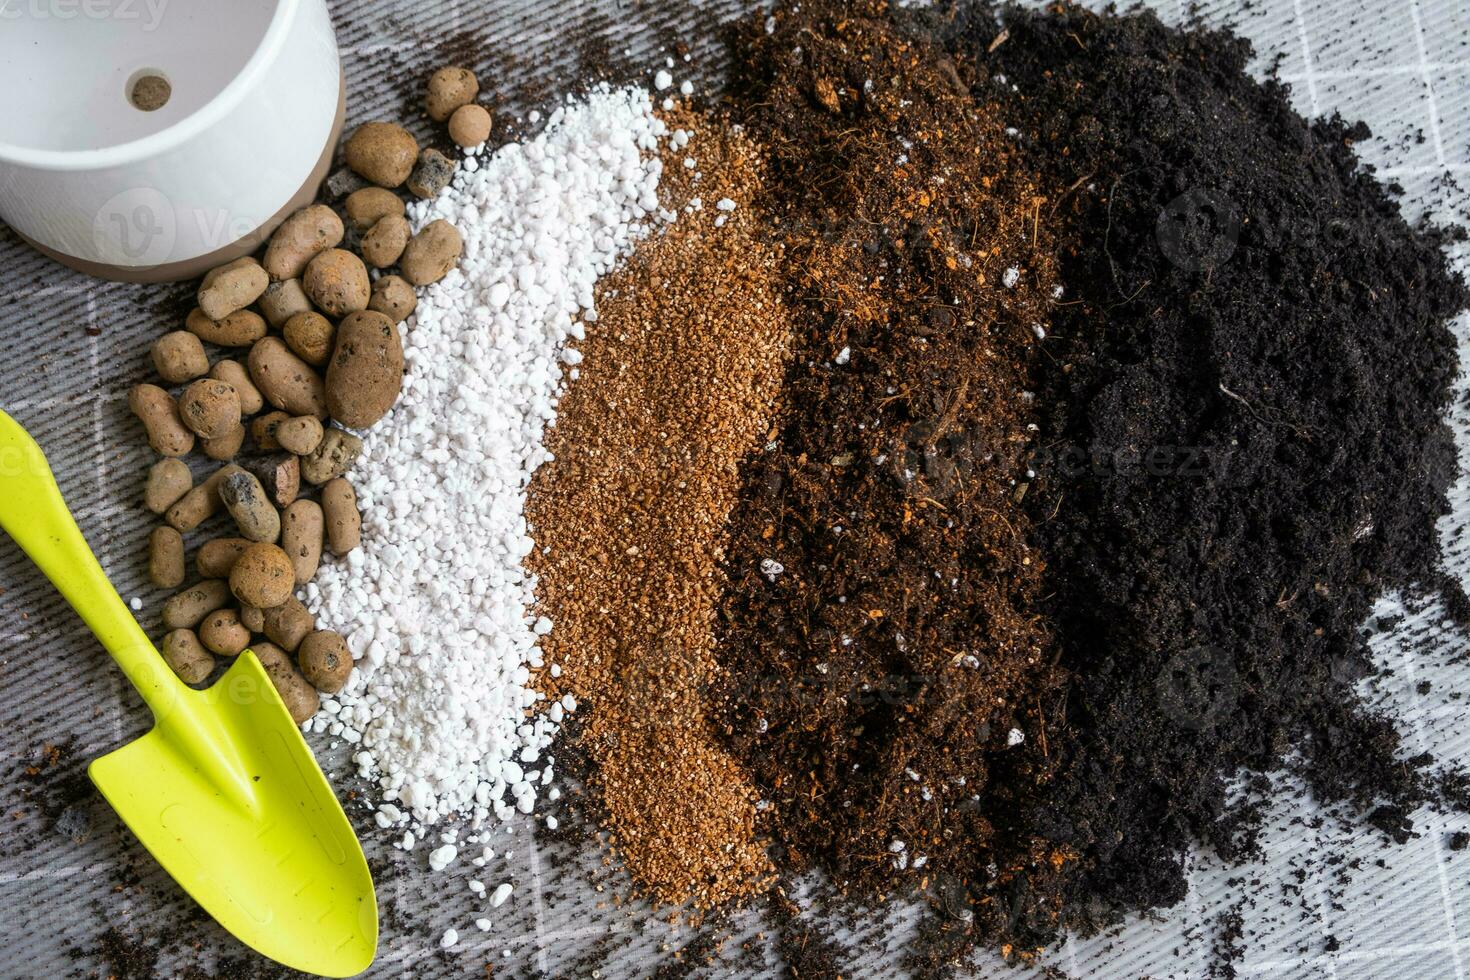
(127, 958)
(53, 783)
(806, 953)
(1227, 946)
(687, 961)
(678, 377)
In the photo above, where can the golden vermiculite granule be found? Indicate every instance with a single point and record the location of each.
(677, 384)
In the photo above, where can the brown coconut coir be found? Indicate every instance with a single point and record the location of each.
(887, 680)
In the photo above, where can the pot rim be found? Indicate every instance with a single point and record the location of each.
(165, 140)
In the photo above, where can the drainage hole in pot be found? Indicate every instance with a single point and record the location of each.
(149, 90)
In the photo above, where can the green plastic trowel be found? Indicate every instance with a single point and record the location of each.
(223, 791)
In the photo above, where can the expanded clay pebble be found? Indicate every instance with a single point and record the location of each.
(286, 381)
(200, 503)
(179, 357)
(252, 618)
(286, 625)
(332, 458)
(234, 374)
(166, 558)
(382, 153)
(365, 208)
(168, 480)
(223, 634)
(239, 329)
(343, 521)
(310, 337)
(470, 125)
(300, 435)
(263, 576)
(159, 413)
(365, 375)
(431, 253)
(448, 90)
(246, 500)
(187, 609)
(210, 408)
(300, 698)
(263, 431)
(231, 287)
(385, 241)
(214, 559)
(283, 300)
(337, 282)
(435, 601)
(325, 660)
(186, 656)
(302, 237)
(224, 447)
(394, 298)
(302, 527)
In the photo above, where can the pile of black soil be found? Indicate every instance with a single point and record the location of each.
(1241, 438)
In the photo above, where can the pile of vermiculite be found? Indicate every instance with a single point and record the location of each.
(953, 461)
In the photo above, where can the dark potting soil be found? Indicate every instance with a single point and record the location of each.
(1241, 439)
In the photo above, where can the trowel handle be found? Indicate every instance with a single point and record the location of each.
(33, 513)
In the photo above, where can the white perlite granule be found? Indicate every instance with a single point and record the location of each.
(434, 604)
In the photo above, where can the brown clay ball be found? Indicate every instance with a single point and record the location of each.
(263, 576)
(310, 337)
(210, 408)
(469, 126)
(337, 282)
(450, 88)
(325, 660)
(382, 153)
(394, 298)
(369, 205)
(223, 634)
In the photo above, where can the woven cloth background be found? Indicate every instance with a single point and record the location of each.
(76, 345)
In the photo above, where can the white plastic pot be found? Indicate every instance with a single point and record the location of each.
(252, 116)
